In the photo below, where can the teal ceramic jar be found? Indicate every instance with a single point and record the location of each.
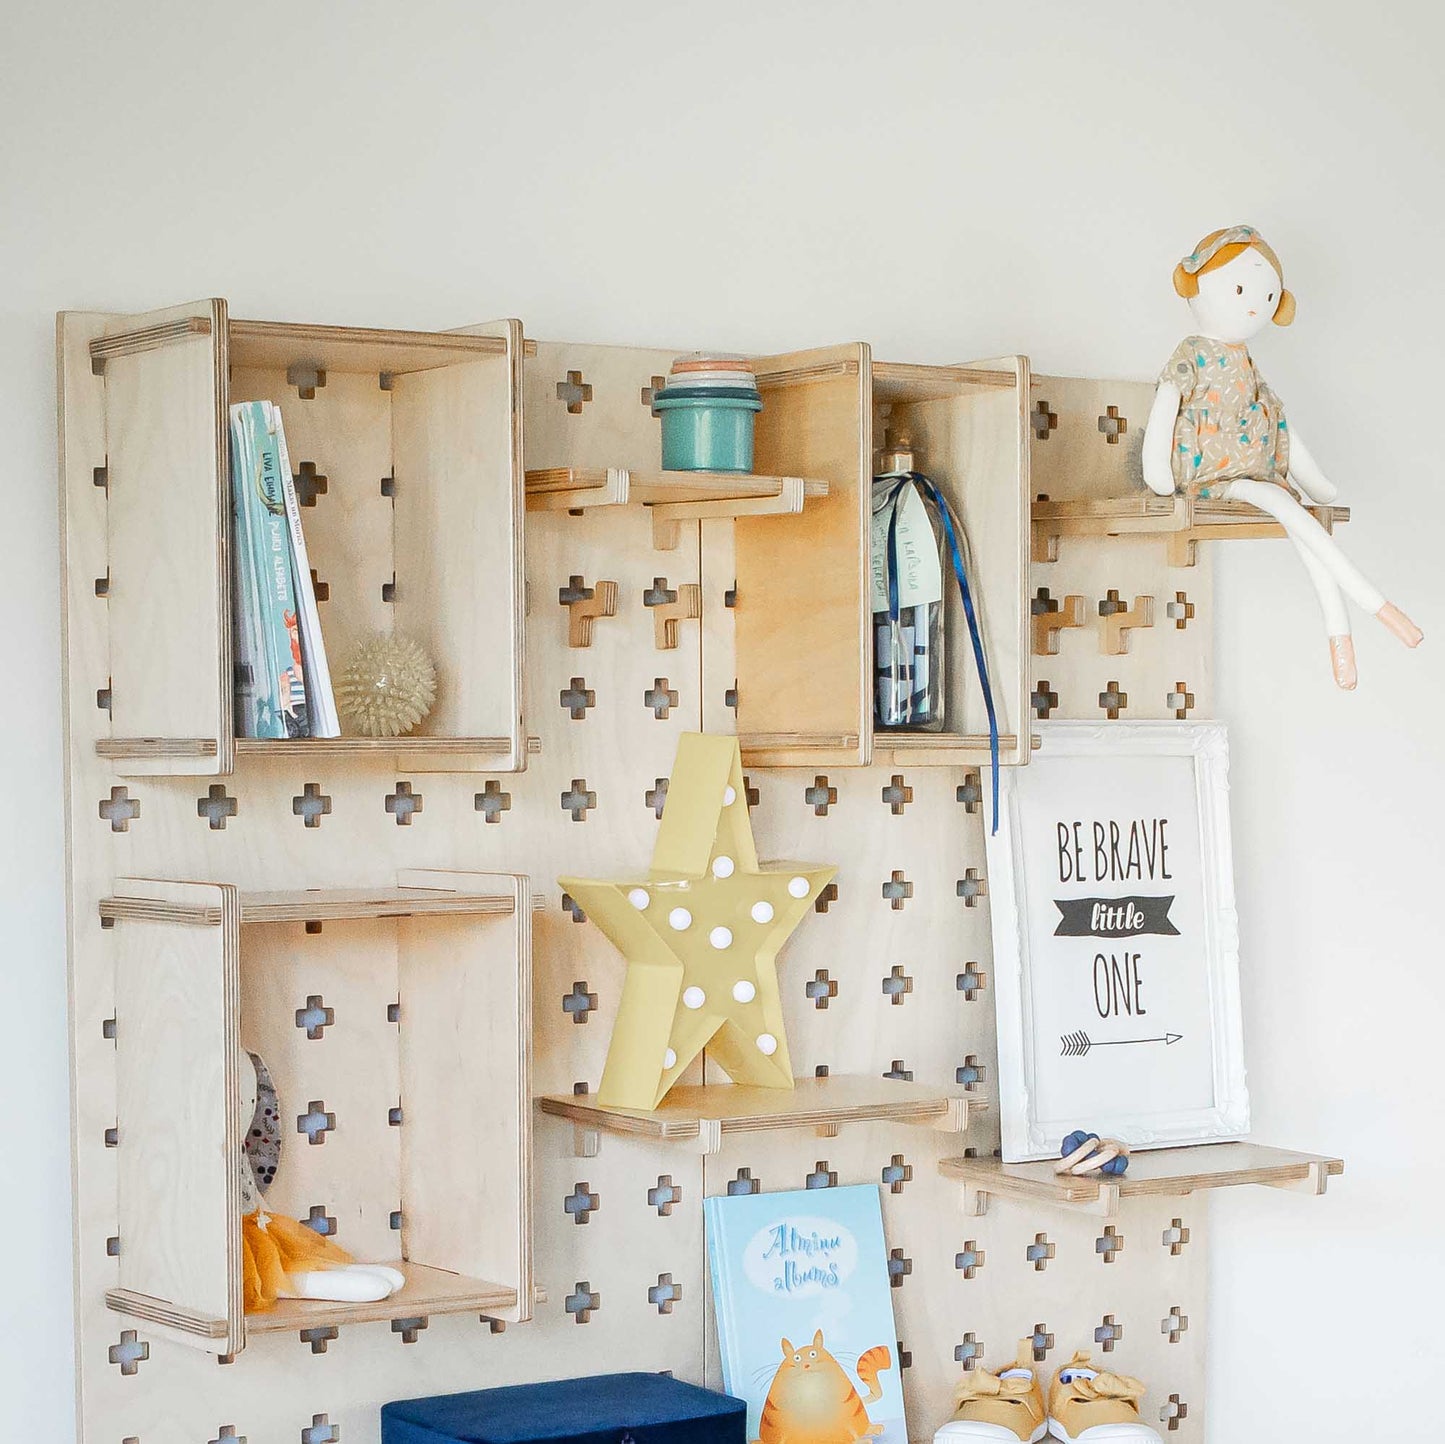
(707, 428)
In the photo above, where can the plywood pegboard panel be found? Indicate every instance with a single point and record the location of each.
(869, 987)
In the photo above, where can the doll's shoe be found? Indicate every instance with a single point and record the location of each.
(1006, 1407)
(1400, 625)
(1342, 662)
(1094, 1406)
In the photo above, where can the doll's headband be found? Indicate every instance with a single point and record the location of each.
(1196, 261)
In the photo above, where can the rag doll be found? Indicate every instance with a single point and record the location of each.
(1217, 431)
(281, 1258)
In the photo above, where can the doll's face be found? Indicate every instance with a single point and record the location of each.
(1238, 300)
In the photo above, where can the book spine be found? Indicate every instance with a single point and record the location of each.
(258, 714)
(321, 701)
(279, 596)
(722, 1299)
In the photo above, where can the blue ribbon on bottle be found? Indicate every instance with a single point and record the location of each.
(975, 635)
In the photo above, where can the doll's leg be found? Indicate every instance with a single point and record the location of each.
(1336, 615)
(1308, 534)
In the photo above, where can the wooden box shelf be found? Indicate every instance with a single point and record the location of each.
(703, 1115)
(396, 1024)
(408, 445)
(1165, 1171)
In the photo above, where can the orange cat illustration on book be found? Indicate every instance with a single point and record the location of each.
(812, 1401)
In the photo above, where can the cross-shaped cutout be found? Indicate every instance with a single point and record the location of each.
(1180, 611)
(905, 1356)
(581, 1203)
(578, 800)
(104, 697)
(579, 1003)
(309, 483)
(970, 887)
(1113, 700)
(394, 1116)
(1039, 1252)
(1109, 1246)
(307, 379)
(828, 896)
(730, 698)
(664, 1293)
(1175, 1237)
(576, 698)
(584, 605)
(656, 796)
(315, 1017)
(671, 606)
(1043, 420)
(1042, 1341)
(821, 1071)
(897, 890)
(1108, 1333)
(898, 1073)
(574, 392)
(665, 1196)
(319, 1336)
(751, 795)
(321, 1431)
(897, 794)
(820, 796)
(491, 801)
(316, 1122)
(581, 1302)
(216, 806)
(112, 1246)
(659, 697)
(969, 1259)
(112, 1137)
(319, 1221)
(1174, 1323)
(102, 584)
(969, 1352)
(311, 805)
(129, 1353)
(743, 1182)
(1173, 1412)
(120, 809)
(388, 589)
(321, 589)
(393, 1012)
(822, 1176)
(969, 1073)
(821, 988)
(1043, 699)
(1050, 616)
(227, 1435)
(969, 792)
(897, 985)
(649, 392)
(1113, 425)
(1118, 621)
(1180, 701)
(899, 1267)
(410, 1328)
(403, 803)
(971, 981)
(573, 908)
(896, 1173)
(394, 1220)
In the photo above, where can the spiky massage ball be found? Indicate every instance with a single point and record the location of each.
(386, 688)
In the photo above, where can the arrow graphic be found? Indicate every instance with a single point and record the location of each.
(1076, 1045)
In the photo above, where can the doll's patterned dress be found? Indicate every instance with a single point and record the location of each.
(1230, 426)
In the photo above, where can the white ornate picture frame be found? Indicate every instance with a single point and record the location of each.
(1116, 940)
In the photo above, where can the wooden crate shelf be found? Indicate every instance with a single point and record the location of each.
(1152, 1173)
(703, 1115)
(1180, 521)
(411, 441)
(421, 996)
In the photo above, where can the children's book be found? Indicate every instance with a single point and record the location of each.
(805, 1315)
(256, 712)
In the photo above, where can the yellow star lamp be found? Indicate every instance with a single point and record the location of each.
(700, 934)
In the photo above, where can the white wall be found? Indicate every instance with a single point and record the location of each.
(945, 180)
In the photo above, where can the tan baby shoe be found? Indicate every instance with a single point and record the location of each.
(1005, 1407)
(1094, 1406)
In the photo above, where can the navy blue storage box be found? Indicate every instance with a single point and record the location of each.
(607, 1409)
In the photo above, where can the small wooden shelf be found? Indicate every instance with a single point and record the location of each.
(673, 496)
(1182, 522)
(704, 1114)
(939, 749)
(1156, 1172)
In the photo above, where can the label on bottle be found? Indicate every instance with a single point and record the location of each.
(920, 572)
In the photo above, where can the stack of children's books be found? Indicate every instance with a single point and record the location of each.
(283, 684)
